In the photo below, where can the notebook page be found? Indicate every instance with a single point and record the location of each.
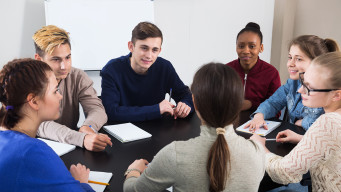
(126, 132)
(272, 125)
(59, 148)
(98, 176)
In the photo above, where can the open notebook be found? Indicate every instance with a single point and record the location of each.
(126, 132)
(103, 177)
(272, 125)
(59, 148)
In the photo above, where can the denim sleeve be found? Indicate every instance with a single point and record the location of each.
(311, 114)
(270, 107)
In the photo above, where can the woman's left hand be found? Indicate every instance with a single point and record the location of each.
(137, 167)
(139, 164)
(260, 140)
(299, 123)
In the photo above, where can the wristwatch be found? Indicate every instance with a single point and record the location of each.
(130, 170)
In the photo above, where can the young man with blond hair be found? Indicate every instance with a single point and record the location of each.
(134, 86)
(53, 46)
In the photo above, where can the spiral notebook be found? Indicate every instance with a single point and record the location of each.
(272, 125)
(126, 132)
(59, 148)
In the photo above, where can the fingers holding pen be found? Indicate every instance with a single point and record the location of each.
(182, 110)
(166, 107)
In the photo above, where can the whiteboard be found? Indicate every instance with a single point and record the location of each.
(99, 29)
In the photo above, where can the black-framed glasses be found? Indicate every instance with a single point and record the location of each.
(307, 90)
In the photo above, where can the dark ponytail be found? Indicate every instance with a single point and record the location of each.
(10, 117)
(218, 164)
(331, 45)
(19, 78)
(218, 97)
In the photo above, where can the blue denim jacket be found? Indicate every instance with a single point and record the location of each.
(288, 96)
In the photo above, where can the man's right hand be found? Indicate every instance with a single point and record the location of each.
(166, 107)
(96, 142)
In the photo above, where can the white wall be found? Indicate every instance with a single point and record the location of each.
(99, 29)
(200, 31)
(19, 19)
(185, 23)
(195, 31)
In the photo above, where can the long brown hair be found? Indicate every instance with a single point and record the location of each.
(19, 78)
(218, 96)
(313, 46)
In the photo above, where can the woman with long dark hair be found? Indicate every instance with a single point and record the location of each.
(218, 159)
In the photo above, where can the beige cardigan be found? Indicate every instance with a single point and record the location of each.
(182, 164)
(319, 151)
(75, 88)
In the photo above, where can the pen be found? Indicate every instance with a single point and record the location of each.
(271, 139)
(96, 182)
(93, 129)
(170, 94)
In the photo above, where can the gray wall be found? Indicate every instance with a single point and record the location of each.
(293, 18)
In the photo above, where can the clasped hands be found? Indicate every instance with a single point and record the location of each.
(181, 110)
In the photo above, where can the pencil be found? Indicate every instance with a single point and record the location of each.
(170, 94)
(96, 182)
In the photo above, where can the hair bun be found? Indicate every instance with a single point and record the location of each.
(253, 25)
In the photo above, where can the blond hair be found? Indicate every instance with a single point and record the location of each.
(331, 62)
(48, 38)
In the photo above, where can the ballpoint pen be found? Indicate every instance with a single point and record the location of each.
(170, 94)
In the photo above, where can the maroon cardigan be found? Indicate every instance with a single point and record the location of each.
(261, 82)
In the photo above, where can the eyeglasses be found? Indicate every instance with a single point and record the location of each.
(307, 90)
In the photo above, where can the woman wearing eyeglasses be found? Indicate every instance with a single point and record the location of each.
(303, 50)
(320, 148)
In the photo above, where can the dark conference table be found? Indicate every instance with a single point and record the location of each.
(117, 158)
